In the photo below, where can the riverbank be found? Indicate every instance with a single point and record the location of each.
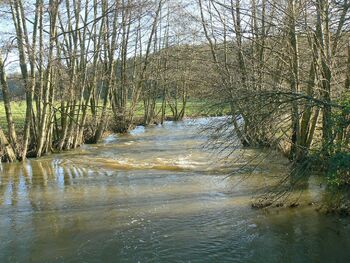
(193, 109)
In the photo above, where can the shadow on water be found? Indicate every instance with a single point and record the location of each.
(155, 195)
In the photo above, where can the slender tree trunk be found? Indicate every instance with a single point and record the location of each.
(7, 105)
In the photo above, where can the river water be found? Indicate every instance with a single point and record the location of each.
(156, 195)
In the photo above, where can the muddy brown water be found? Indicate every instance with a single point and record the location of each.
(156, 195)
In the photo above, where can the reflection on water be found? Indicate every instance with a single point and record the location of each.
(155, 196)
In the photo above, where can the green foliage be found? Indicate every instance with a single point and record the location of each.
(339, 169)
(339, 161)
(341, 116)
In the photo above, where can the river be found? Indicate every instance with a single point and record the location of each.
(156, 195)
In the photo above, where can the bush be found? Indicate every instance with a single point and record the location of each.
(339, 169)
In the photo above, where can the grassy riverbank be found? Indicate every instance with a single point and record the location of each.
(194, 108)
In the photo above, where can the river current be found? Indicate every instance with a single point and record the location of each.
(157, 195)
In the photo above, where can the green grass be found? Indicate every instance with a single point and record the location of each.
(194, 108)
(18, 113)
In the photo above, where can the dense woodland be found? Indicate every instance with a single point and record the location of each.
(281, 67)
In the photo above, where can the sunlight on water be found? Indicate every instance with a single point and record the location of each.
(156, 195)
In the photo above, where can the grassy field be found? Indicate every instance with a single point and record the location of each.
(194, 108)
(18, 112)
